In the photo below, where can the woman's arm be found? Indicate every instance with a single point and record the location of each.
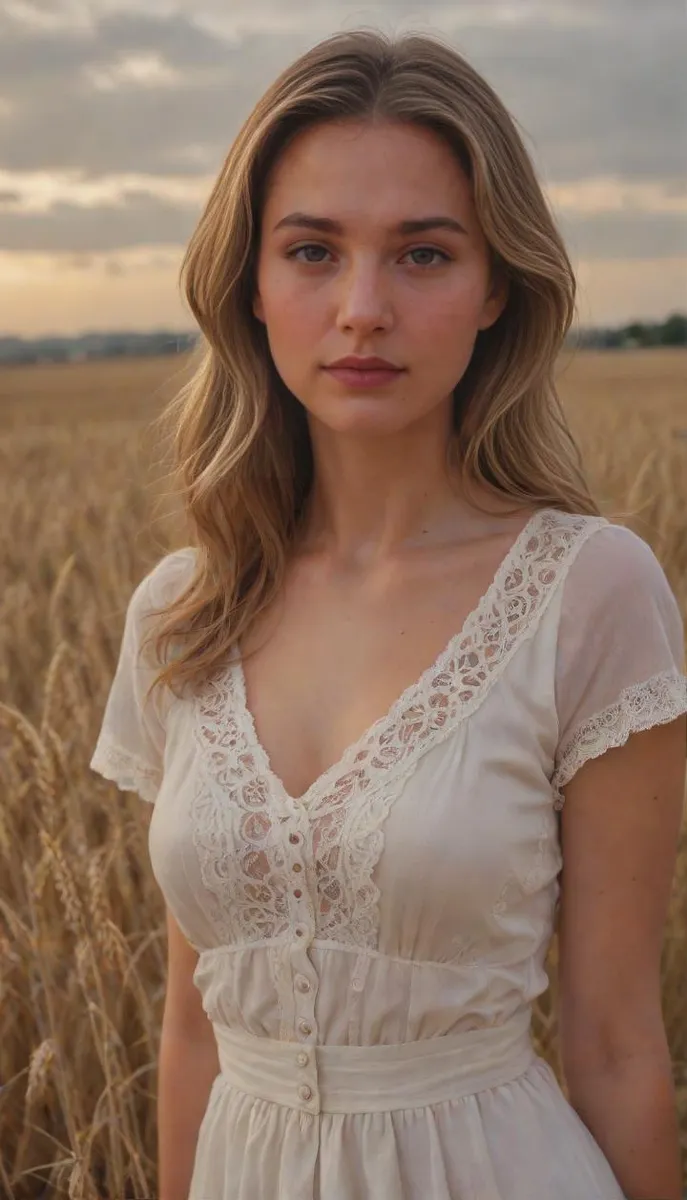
(620, 827)
(188, 1065)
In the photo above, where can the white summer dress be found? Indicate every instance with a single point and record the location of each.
(369, 952)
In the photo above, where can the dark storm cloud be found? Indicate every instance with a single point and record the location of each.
(599, 98)
(618, 235)
(141, 220)
(60, 120)
(599, 87)
(610, 100)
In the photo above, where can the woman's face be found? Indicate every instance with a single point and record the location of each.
(365, 287)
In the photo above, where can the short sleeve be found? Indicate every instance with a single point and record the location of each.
(130, 747)
(620, 655)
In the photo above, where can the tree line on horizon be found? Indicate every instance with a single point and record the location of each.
(637, 334)
(16, 351)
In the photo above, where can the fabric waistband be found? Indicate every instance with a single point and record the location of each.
(358, 1079)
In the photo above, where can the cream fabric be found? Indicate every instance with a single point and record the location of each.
(404, 905)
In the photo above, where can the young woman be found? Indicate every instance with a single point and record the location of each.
(405, 673)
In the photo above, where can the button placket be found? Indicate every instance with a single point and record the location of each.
(306, 1085)
(304, 988)
(305, 1074)
(304, 980)
(303, 914)
(303, 974)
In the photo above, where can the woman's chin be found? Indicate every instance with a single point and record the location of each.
(364, 415)
(363, 424)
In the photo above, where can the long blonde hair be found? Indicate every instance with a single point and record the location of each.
(242, 456)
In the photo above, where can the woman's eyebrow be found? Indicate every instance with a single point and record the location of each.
(302, 220)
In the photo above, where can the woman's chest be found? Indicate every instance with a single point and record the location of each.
(336, 658)
(421, 832)
(313, 694)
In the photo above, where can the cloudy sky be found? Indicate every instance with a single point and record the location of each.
(116, 115)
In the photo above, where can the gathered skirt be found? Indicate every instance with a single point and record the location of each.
(474, 1116)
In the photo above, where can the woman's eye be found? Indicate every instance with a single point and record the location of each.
(430, 250)
(309, 246)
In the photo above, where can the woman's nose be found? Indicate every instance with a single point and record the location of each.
(365, 299)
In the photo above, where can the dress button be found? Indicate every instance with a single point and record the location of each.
(299, 931)
(296, 867)
(294, 838)
(302, 1059)
(305, 1028)
(297, 893)
(305, 1092)
(302, 983)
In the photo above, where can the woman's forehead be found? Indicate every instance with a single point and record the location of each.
(384, 174)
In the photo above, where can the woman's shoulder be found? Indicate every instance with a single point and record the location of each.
(604, 571)
(166, 580)
(615, 585)
(608, 556)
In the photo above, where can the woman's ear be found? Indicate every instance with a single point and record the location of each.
(497, 297)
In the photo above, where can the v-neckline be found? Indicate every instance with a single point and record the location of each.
(345, 761)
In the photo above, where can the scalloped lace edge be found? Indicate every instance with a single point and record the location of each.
(130, 773)
(654, 701)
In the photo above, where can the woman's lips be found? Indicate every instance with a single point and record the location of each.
(375, 377)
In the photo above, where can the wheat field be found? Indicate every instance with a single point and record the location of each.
(82, 940)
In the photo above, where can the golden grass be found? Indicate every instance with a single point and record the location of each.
(82, 942)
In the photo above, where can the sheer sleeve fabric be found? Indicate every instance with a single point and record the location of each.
(620, 660)
(130, 746)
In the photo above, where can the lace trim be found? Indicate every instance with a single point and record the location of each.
(655, 701)
(236, 827)
(243, 815)
(127, 770)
